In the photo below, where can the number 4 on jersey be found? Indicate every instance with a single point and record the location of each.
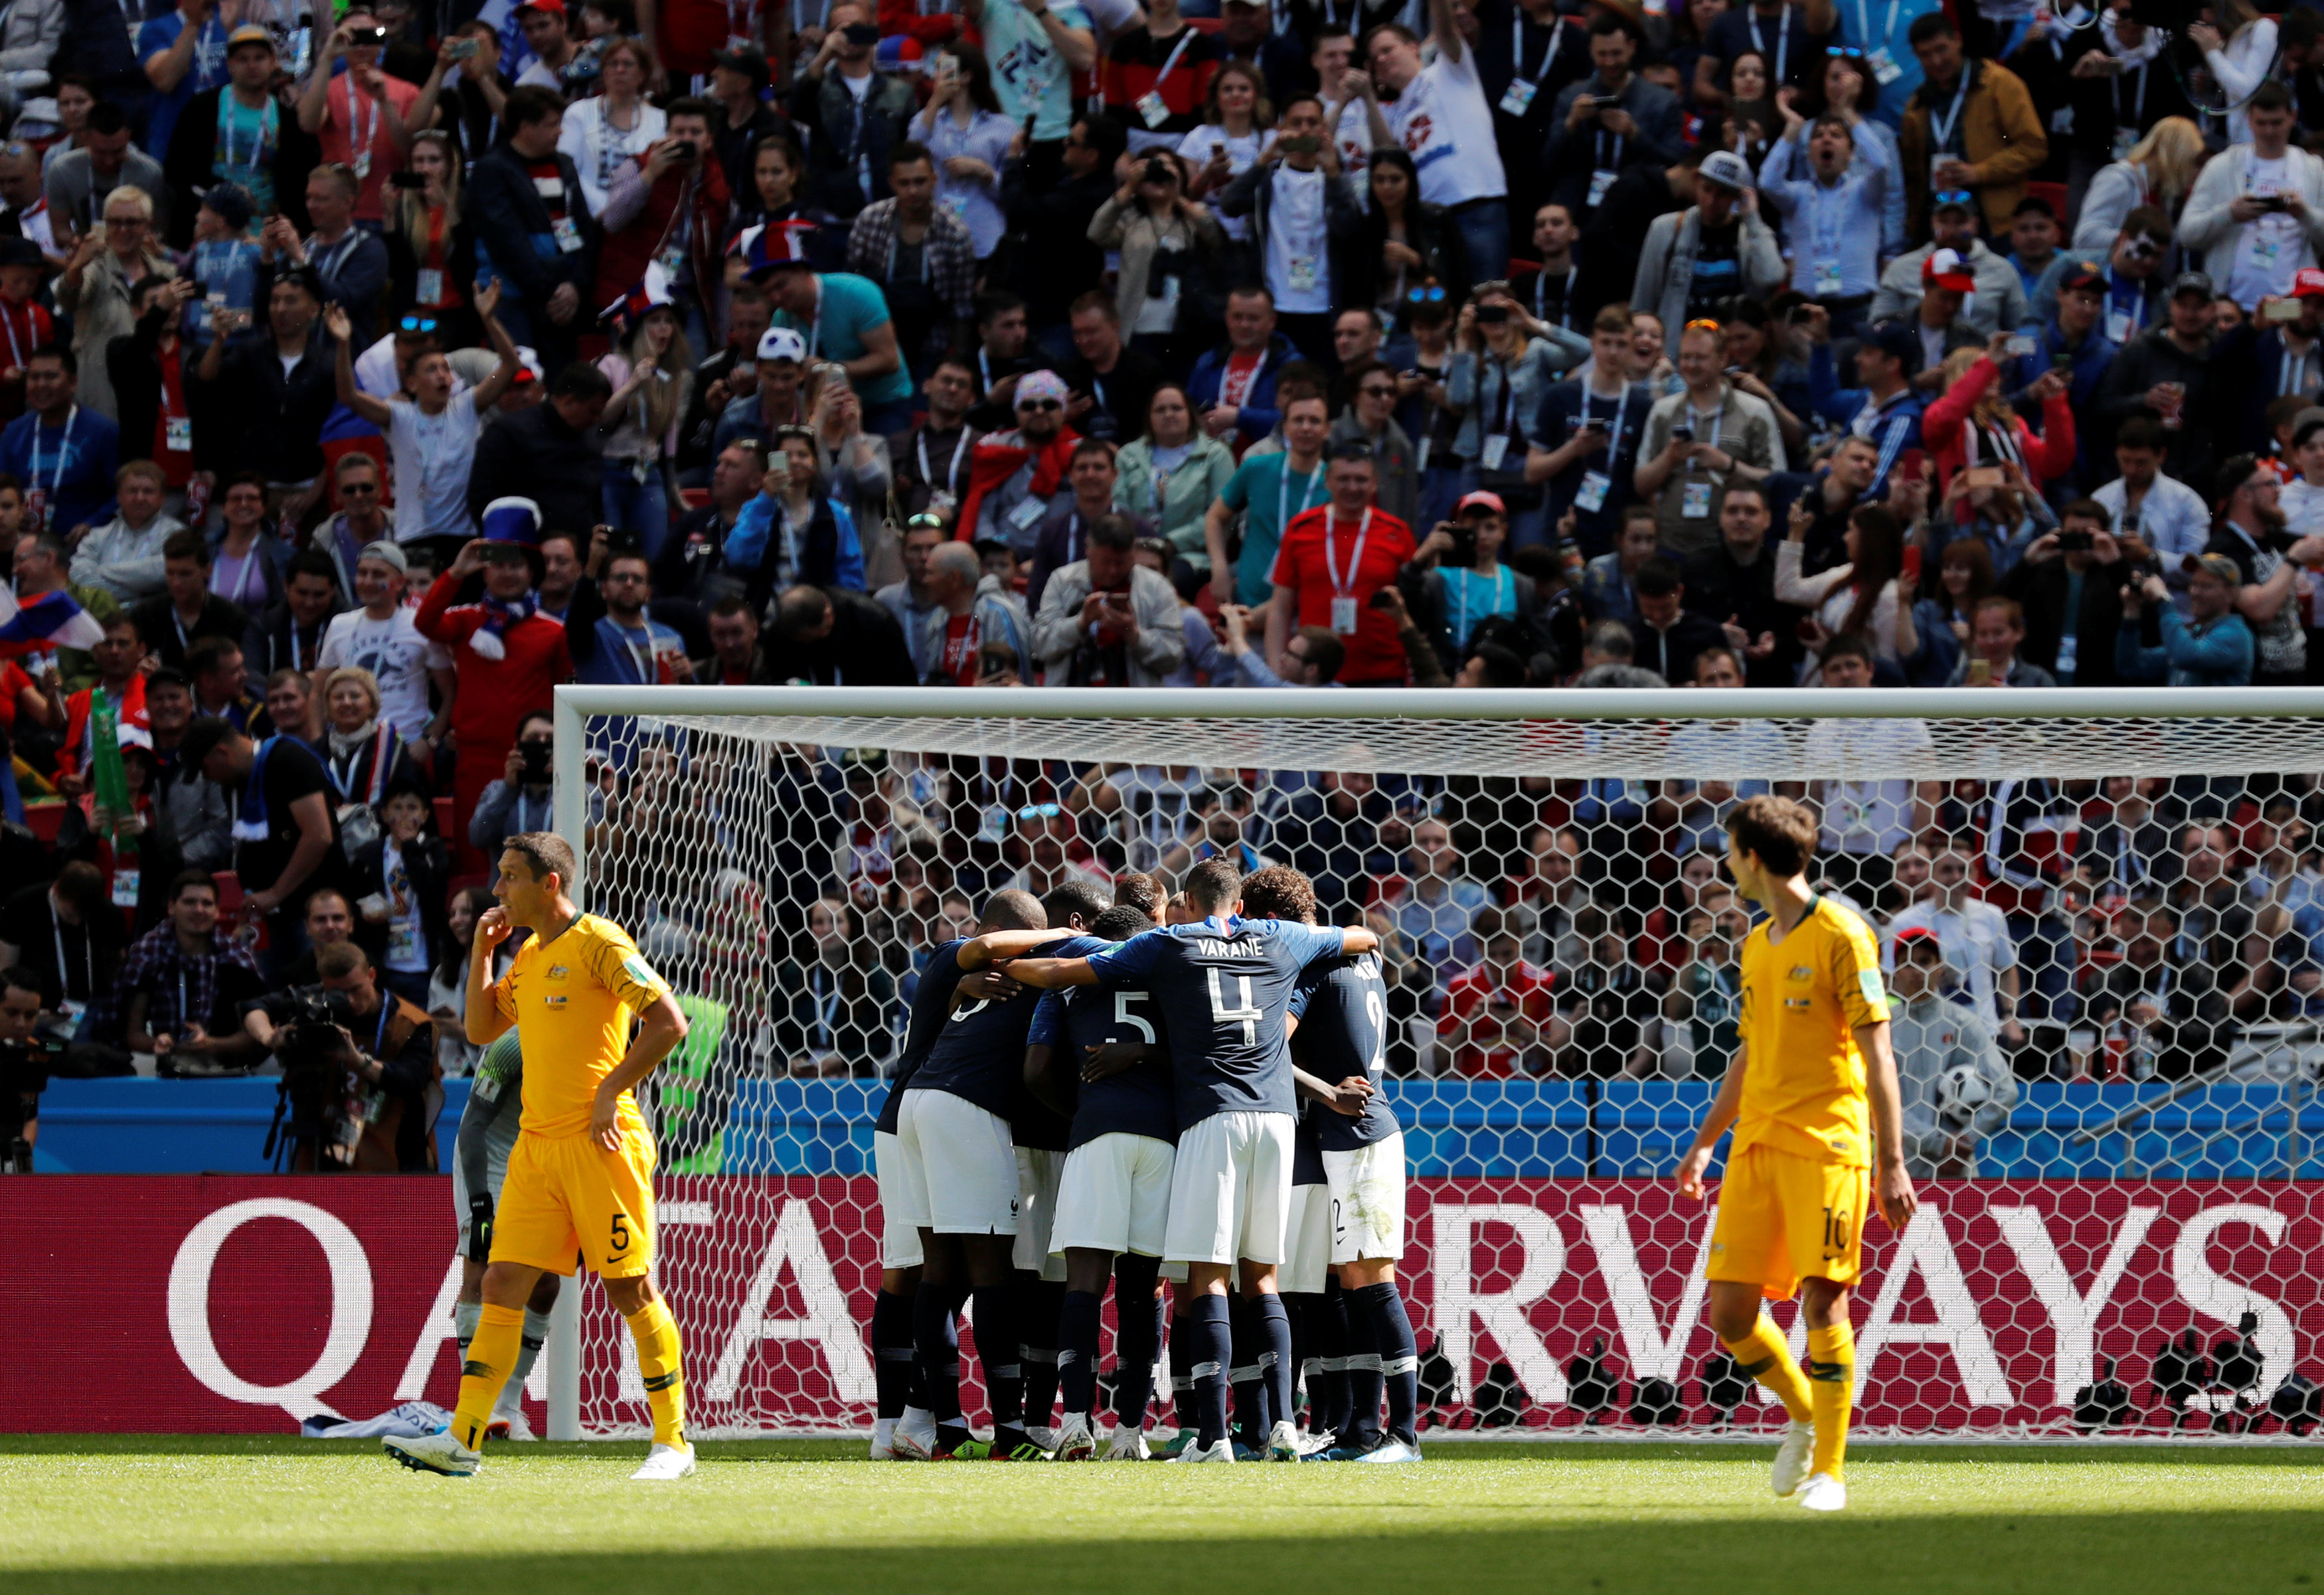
(1247, 1015)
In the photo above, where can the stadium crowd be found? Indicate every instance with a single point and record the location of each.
(368, 376)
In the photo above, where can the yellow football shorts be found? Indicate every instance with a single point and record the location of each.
(566, 1196)
(1783, 1219)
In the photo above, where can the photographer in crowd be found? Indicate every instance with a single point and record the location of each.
(28, 1057)
(359, 1074)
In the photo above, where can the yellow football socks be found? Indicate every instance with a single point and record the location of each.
(492, 1352)
(1831, 1386)
(657, 1363)
(1763, 1355)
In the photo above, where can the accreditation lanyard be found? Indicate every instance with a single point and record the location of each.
(64, 454)
(1283, 510)
(1783, 40)
(1717, 415)
(1517, 44)
(1500, 584)
(8, 321)
(1347, 588)
(257, 135)
(952, 471)
(1621, 418)
(1864, 24)
(359, 137)
(2137, 115)
(1940, 134)
(87, 956)
(1170, 64)
(1827, 219)
(2291, 370)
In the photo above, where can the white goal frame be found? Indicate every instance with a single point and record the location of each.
(574, 704)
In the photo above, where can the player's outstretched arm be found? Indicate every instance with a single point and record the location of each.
(1051, 974)
(998, 946)
(1358, 940)
(486, 1022)
(1892, 1186)
(662, 1027)
(1724, 1108)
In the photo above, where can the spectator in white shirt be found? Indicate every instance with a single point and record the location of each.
(2161, 512)
(2257, 210)
(124, 556)
(381, 637)
(1442, 117)
(1975, 936)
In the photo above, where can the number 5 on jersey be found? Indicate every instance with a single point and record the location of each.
(1123, 1016)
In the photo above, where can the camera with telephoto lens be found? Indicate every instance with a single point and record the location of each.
(24, 1070)
(311, 1105)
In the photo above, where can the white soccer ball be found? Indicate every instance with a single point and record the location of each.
(1961, 1090)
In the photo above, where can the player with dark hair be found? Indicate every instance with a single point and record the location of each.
(1222, 984)
(581, 1176)
(1813, 1096)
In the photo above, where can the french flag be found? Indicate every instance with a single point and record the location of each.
(51, 620)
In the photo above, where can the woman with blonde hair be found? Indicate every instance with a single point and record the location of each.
(651, 368)
(2160, 171)
(1235, 121)
(431, 250)
(98, 287)
(362, 752)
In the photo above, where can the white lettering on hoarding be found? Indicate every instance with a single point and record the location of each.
(351, 1305)
(1541, 1259)
(828, 1321)
(1653, 1355)
(2073, 1314)
(1924, 1247)
(2216, 1296)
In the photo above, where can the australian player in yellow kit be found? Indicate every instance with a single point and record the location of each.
(580, 1180)
(1818, 1135)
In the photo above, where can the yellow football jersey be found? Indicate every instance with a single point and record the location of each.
(1803, 998)
(572, 1001)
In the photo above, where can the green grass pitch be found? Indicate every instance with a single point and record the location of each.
(201, 1515)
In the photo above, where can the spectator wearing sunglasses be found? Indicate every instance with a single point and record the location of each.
(384, 369)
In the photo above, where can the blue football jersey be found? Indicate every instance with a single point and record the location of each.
(1223, 988)
(1341, 1006)
(980, 1053)
(1138, 1101)
(931, 1005)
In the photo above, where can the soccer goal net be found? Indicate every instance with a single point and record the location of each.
(2104, 910)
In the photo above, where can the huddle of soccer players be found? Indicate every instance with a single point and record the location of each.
(1086, 1094)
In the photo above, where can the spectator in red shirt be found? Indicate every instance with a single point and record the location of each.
(1334, 558)
(508, 656)
(1498, 1021)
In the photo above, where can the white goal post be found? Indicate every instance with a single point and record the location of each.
(2143, 1165)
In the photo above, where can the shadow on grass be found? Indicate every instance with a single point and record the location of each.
(2119, 1553)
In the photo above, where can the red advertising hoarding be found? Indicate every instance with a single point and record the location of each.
(180, 1304)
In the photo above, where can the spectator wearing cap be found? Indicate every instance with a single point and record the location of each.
(1708, 434)
(1992, 294)
(269, 391)
(2252, 534)
(1833, 205)
(2132, 268)
(737, 77)
(854, 114)
(1935, 1033)
(547, 454)
(1714, 249)
(240, 133)
(1939, 327)
(2072, 343)
(773, 399)
(525, 204)
(547, 31)
(349, 261)
(2211, 645)
(509, 658)
(183, 53)
(381, 635)
(2167, 376)
(1014, 475)
(1971, 126)
(1334, 558)
(920, 254)
(2256, 214)
(841, 316)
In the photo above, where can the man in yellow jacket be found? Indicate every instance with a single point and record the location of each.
(1970, 126)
